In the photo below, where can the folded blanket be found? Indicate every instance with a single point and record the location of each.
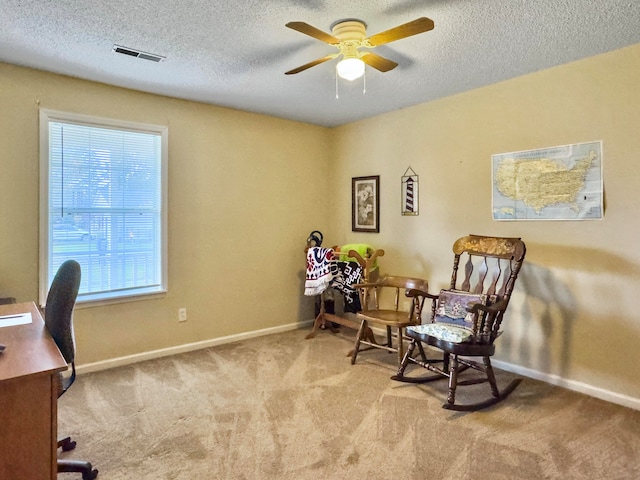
(321, 268)
(349, 273)
(363, 249)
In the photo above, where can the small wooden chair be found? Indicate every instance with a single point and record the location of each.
(466, 318)
(373, 295)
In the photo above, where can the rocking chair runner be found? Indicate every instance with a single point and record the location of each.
(466, 318)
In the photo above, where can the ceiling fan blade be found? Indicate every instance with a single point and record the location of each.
(311, 64)
(378, 62)
(419, 25)
(313, 32)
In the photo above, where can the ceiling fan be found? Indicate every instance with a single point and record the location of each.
(350, 36)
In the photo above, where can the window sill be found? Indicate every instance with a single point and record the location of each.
(88, 302)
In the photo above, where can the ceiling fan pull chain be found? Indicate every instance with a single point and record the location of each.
(337, 95)
(364, 82)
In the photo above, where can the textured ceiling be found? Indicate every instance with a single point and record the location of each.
(235, 53)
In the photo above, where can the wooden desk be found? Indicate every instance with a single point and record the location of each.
(28, 398)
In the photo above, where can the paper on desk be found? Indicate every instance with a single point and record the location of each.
(12, 320)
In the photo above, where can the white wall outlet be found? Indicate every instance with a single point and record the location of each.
(182, 314)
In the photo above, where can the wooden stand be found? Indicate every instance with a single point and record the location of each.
(327, 320)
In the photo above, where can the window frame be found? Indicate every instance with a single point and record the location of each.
(113, 296)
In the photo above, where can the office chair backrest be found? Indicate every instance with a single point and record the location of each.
(58, 315)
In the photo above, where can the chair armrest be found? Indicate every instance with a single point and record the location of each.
(366, 285)
(485, 329)
(414, 292)
(493, 308)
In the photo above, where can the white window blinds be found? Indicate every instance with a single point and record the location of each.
(105, 197)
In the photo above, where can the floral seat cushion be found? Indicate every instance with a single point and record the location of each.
(443, 331)
(452, 322)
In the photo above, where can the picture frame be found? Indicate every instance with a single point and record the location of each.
(365, 204)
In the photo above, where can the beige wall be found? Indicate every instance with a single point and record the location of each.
(246, 189)
(575, 317)
(244, 192)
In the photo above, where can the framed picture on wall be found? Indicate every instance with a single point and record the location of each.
(365, 204)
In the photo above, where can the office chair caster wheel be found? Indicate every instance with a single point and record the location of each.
(67, 444)
(90, 475)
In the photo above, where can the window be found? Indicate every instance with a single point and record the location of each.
(103, 200)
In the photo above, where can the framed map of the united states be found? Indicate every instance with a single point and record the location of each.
(556, 183)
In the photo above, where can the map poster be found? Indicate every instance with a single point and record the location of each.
(555, 183)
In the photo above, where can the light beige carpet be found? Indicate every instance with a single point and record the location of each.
(282, 407)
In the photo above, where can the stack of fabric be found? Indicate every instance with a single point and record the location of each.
(327, 267)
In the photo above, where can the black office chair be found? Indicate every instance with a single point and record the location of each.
(58, 317)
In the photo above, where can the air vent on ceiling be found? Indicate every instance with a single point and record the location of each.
(137, 53)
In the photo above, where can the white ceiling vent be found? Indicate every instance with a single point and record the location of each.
(137, 53)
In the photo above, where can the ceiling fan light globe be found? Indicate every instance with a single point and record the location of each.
(350, 68)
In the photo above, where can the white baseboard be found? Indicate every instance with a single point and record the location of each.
(581, 387)
(574, 385)
(188, 347)
(592, 391)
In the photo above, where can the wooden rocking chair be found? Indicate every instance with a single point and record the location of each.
(466, 318)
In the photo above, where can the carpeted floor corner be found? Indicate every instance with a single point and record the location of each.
(282, 407)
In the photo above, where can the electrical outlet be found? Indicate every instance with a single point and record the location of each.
(182, 314)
